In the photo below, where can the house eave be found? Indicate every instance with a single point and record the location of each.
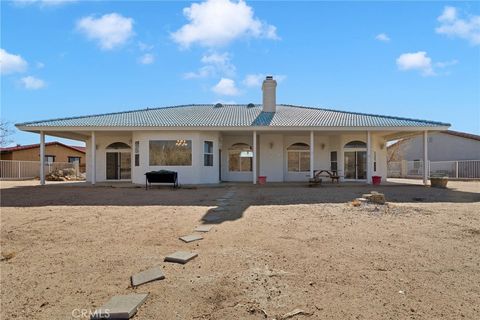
(37, 129)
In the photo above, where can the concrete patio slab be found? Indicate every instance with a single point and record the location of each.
(120, 307)
(203, 228)
(181, 257)
(147, 276)
(191, 238)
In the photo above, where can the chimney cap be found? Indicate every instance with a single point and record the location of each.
(269, 78)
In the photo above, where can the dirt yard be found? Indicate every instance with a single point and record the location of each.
(70, 247)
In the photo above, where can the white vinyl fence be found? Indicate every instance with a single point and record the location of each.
(18, 170)
(463, 169)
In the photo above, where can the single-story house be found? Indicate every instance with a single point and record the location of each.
(446, 145)
(223, 142)
(54, 152)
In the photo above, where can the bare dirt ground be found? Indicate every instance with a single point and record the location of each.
(71, 247)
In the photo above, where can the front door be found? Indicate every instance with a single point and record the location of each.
(355, 165)
(118, 165)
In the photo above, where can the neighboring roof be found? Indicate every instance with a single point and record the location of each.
(462, 134)
(233, 116)
(450, 132)
(37, 145)
(81, 149)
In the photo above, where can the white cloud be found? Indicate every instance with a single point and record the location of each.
(40, 65)
(256, 80)
(110, 30)
(226, 87)
(416, 61)
(32, 83)
(214, 64)
(42, 3)
(11, 63)
(147, 58)
(218, 22)
(144, 46)
(453, 26)
(382, 37)
(445, 64)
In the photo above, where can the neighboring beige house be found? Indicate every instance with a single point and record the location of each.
(54, 152)
(442, 146)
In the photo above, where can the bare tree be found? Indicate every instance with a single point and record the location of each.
(6, 132)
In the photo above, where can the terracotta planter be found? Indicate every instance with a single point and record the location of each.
(439, 182)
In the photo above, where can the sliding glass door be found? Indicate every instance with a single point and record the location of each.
(118, 165)
(355, 165)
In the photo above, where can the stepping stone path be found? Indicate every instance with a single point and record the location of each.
(120, 307)
(191, 238)
(147, 276)
(126, 306)
(203, 228)
(180, 257)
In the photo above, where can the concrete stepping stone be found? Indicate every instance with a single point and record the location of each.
(203, 228)
(147, 276)
(120, 307)
(181, 257)
(191, 238)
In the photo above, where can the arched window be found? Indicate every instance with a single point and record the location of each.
(298, 157)
(355, 144)
(240, 157)
(118, 145)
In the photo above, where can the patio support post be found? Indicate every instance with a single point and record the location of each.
(254, 160)
(93, 157)
(369, 158)
(42, 158)
(425, 157)
(312, 153)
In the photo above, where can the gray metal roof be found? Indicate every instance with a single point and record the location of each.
(234, 116)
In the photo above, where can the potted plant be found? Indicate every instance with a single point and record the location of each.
(438, 180)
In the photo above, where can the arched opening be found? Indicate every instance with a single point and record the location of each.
(118, 161)
(118, 145)
(240, 158)
(355, 144)
(298, 157)
(355, 160)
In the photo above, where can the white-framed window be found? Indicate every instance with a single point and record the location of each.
(333, 161)
(137, 153)
(208, 153)
(170, 152)
(240, 158)
(74, 159)
(298, 157)
(49, 159)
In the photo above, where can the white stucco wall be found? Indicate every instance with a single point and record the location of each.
(271, 157)
(197, 173)
(272, 154)
(441, 147)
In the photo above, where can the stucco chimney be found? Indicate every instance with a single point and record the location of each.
(269, 88)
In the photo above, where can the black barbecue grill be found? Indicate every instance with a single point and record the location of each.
(161, 176)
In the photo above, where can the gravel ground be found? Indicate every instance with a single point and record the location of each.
(70, 247)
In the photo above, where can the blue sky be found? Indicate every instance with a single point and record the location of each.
(70, 58)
